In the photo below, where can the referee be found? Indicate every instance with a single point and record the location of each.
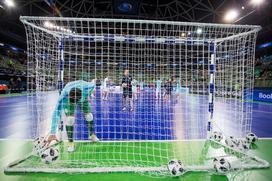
(127, 90)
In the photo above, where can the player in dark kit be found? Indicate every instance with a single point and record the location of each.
(168, 89)
(127, 90)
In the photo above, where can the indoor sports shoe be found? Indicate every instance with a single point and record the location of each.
(71, 147)
(94, 138)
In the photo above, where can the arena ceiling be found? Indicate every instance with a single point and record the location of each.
(209, 11)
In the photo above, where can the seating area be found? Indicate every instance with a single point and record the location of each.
(263, 72)
(13, 70)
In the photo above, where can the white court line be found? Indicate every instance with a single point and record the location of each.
(85, 141)
(107, 141)
(266, 112)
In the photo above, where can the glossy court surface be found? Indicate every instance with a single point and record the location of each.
(15, 117)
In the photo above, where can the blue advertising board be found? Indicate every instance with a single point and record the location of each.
(264, 95)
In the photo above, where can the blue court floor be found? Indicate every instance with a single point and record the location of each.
(16, 119)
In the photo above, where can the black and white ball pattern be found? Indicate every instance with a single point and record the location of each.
(243, 145)
(231, 142)
(50, 155)
(251, 138)
(221, 165)
(216, 136)
(175, 167)
(38, 145)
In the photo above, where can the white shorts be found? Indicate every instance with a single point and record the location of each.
(134, 89)
(106, 89)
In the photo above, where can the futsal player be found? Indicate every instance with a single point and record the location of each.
(74, 94)
(127, 90)
(168, 89)
(105, 89)
(141, 86)
(178, 88)
(158, 89)
(134, 89)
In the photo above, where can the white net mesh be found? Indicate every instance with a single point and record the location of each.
(184, 75)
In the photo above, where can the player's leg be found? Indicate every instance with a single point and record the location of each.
(125, 94)
(103, 94)
(86, 108)
(131, 100)
(136, 96)
(178, 93)
(106, 94)
(167, 93)
(164, 94)
(69, 110)
(134, 93)
(158, 96)
(104, 89)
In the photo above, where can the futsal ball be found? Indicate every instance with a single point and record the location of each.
(175, 167)
(251, 138)
(50, 155)
(221, 165)
(38, 145)
(231, 142)
(243, 145)
(216, 136)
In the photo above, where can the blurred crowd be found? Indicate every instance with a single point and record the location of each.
(12, 71)
(263, 72)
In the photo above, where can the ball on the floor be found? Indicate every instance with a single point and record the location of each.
(221, 165)
(50, 155)
(38, 145)
(243, 145)
(231, 142)
(175, 167)
(251, 138)
(216, 136)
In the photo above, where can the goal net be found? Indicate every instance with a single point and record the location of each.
(185, 83)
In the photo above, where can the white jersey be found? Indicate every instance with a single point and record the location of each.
(158, 85)
(105, 84)
(134, 85)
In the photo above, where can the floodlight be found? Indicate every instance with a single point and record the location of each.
(231, 15)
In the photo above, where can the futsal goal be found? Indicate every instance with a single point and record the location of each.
(192, 82)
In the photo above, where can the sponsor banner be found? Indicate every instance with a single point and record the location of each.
(115, 89)
(264, 95)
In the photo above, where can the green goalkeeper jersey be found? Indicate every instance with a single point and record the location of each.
(63, 101)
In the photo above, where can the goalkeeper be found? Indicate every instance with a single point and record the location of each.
(74, 94)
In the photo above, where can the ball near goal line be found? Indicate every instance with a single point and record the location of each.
(120, 95)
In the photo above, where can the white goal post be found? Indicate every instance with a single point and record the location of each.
(190, 80)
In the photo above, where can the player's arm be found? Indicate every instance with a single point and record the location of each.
(56, 119)
(131, 80)
(91, 95)
(88, 90)
(54, 124)
(124, 82)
